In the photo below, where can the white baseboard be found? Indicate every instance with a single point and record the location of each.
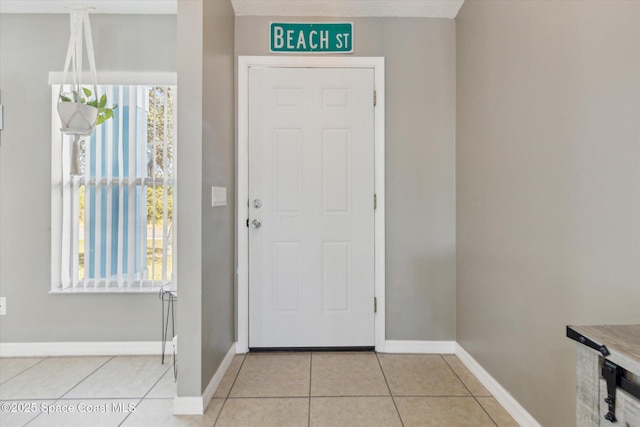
(41, 349)
(513, 407)
(428, 347)
(217, 377)
(197, 405)
(241, 348)
(188, 405)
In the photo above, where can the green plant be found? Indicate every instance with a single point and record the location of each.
(104, 112)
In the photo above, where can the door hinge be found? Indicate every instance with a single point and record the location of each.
(375, 98)
(616, 377)
(375, 304)
(247, 222)
(375, 201)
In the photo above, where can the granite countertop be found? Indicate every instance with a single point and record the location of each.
(622, 341)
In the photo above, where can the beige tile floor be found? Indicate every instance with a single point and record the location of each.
(259, 389)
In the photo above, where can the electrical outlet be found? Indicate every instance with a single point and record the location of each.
(3, 306)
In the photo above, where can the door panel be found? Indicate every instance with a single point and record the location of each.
(311, 186)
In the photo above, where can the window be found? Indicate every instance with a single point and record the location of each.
(115, 207)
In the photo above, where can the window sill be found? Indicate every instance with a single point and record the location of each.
(102, 291)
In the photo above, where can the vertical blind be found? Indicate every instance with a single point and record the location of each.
(117, 231)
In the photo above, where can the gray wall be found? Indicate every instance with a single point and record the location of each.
(205, 158)
(218, 169)
(548, 210)
(189, 195)
(30, 47)
(420, 164)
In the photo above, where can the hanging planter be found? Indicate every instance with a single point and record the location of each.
(88, 112)
(80, 109)
(77, 119)
(77, 115)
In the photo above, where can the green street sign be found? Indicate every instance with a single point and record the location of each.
(321, 37)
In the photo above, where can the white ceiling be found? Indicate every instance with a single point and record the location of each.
(330, 8)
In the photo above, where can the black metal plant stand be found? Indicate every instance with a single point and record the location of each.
(168, 296)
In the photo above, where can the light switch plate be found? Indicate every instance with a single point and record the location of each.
(218, 196)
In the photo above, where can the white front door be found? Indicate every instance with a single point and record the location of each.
(311, 207)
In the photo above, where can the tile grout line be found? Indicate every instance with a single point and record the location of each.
(235, 378)
(469, 390)
(146, 394)
(84, 379)
(24, 370)
(283, 397)
(334, 396)
(76, 385)
(129, 413)
(36, 416)
(230, 388)
(393, 399)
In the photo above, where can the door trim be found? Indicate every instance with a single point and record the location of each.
(242, 180)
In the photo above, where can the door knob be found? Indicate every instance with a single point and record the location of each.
(256, 223)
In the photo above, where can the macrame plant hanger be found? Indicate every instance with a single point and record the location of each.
(78, 118)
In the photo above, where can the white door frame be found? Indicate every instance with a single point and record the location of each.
(242, 170)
